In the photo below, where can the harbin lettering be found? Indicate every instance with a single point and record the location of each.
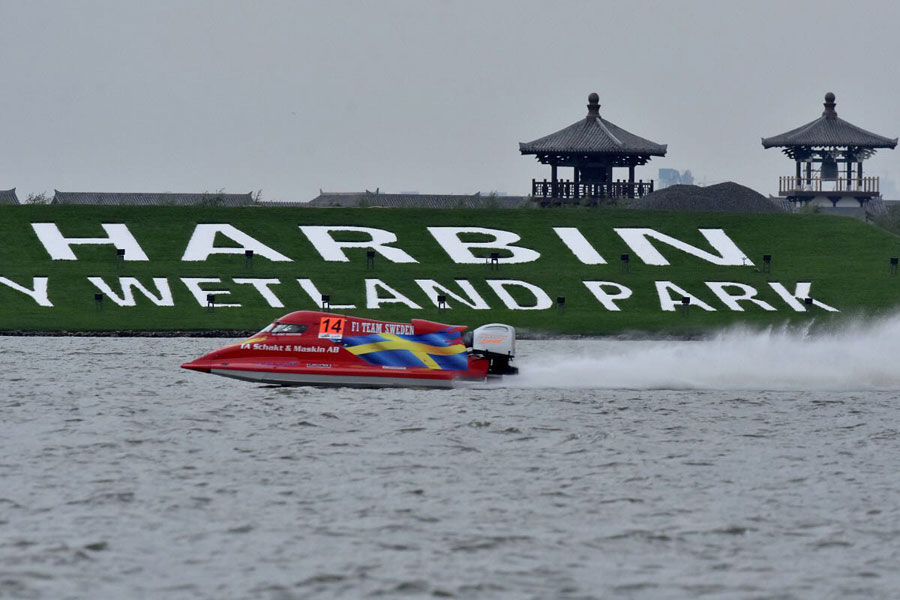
(202, 244)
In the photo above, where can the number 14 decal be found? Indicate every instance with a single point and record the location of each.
(331, 328)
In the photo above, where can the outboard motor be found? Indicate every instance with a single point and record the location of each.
(497, 343)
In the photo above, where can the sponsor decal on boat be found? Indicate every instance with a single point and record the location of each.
(374, 327)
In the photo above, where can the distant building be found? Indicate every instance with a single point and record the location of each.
(151, 199)
(668, 177)
(825, 152)
(592, 147)
(8, 197)
(371, 200)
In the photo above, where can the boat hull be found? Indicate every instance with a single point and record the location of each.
(328, 380)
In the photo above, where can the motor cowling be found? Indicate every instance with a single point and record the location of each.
(497, 343)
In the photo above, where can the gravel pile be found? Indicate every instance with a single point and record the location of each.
(722, 197)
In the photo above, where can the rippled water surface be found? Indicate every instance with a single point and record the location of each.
(752, 466)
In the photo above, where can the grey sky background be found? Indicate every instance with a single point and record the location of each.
(291, 97)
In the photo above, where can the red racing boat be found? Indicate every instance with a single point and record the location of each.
(318, 348)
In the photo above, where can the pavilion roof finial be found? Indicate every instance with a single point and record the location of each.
(593, 106)
(829, 105)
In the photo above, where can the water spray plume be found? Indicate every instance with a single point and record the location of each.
(858, 356)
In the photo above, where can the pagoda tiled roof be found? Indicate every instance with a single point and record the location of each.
(829, 130)
(593, 135)
(8, 197)
(152, 199)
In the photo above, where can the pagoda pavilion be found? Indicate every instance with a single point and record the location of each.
(826, 151)
(593, 147)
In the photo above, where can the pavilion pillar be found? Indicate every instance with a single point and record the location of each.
(808, 172)
(631, 181)
(849, 170)
(859, 170)
(576, 180)
(554, 187)
(797, 184)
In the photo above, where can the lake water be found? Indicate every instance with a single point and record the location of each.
(755, 465)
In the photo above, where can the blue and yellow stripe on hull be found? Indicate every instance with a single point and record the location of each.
(440, 350)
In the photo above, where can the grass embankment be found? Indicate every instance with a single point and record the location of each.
(846, 261)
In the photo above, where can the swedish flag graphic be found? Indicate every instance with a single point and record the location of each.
(440, 350)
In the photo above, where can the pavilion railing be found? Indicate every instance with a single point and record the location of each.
(794, 185)
(568, 190)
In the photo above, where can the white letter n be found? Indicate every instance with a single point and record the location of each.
(38, 294)
(638, 238)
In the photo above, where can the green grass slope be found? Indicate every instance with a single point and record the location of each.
(846, 261)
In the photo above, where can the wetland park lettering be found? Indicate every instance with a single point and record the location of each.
(460, 245)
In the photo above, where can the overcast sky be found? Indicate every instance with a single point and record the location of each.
(429, 96)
